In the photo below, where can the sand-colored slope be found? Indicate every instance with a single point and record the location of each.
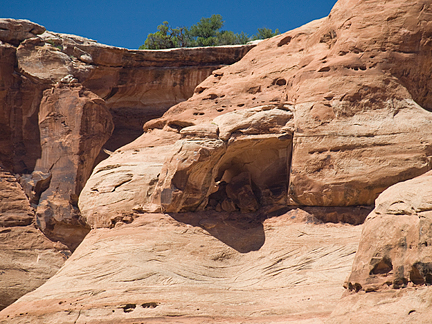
(158, 269)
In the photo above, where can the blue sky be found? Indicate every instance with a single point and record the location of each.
(127, 23)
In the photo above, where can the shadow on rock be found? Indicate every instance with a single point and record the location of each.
(243, 233)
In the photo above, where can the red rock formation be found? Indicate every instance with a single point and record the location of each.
(330, 114)
(359, 121)
(59, 97)
(74, 124)
(53, 137)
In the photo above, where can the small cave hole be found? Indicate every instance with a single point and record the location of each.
(254, 90)
(324, 69)
(382, 267)
(421, 273)
(128, 308)
(199, 90)
(356, 287)
(211, 96)
(150, 305)
(415, 276)
(179, 125)
(198, 113)
(284, 41)
(279, 82)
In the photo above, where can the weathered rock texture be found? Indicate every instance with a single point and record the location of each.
(60, 98)
(394, 259)
(14, 31)
(74, 124)
(329, 114)
(27, 260)
(27, 257)
(160, 269)
(396, 244)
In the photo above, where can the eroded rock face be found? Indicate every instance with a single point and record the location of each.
(74, 125)
(393, 259)
(15, 209)
(396, 241)
(340, 97)
(66, 86)
(133, 83)
(14, 31)
(27, 257)
(60, 98)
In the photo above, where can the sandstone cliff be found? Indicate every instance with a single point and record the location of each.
(329, 114)
(216, 212)
(63, 98)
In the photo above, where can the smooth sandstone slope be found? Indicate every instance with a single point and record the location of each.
(190, 268)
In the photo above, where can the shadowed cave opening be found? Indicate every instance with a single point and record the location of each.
(251, 175)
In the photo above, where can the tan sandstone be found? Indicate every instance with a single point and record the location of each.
(392, 271)
(334, 110)
(330, 114)
(198, 268)
(60, 98)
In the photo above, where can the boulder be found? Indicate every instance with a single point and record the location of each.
(14, 31)
(395, 248)
(393, 262)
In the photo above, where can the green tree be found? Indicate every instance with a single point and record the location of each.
(206, 30)
(204, 33)
(181, 37)
(264, 33)
(160, 39)
(227, 37)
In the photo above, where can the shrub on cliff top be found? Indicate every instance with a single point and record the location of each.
(204, 33)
